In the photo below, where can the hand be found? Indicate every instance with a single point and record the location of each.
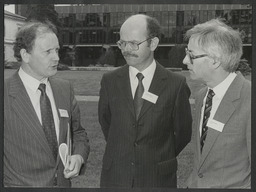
(73, 166)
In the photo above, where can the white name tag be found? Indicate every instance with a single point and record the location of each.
(218, 126)
(150, 97)
(63, 113)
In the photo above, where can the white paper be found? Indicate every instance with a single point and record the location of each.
(63, 151)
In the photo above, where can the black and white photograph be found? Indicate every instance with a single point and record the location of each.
(127, 96)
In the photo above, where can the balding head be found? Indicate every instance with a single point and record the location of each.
(136, 26)
(147, 25)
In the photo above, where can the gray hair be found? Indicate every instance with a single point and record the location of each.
(219, 41)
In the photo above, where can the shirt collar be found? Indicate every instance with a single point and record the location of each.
(146, 72)
(222, 88)
(29, 81)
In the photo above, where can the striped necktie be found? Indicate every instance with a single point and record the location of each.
(207, 111)
(138, 101)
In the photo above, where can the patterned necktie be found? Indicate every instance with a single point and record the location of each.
(207, 111)
(47, 120)
(138, 101)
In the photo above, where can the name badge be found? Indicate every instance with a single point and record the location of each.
(218, 126)
(150, 97)
(63, 113)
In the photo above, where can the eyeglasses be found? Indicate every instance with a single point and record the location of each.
(192, 57)
(133, 45)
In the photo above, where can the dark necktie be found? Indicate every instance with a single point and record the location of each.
(47, 120)
(138, 101)
(207, 111)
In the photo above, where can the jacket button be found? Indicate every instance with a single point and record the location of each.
(200, 175)
(132, 163)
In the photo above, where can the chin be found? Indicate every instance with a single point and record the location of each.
(53, 72)
(193, 77)
(131, 63)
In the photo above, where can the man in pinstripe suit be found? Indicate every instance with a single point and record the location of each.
(28, 158)
(142, 146)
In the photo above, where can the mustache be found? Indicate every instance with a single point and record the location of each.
(127, 54)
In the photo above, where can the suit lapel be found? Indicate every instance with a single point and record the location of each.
(157, 85)
(124, 86)
(25, 110)
(197, 123)
(223, 113)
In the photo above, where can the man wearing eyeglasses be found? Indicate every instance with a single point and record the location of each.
(144, 113)
(222, 142)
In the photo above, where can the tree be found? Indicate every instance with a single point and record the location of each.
(43, 12)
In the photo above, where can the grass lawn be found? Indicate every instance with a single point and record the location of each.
(87, 83)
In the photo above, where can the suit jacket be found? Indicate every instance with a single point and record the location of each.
(143, 153)
(28, 160)
(225, 161)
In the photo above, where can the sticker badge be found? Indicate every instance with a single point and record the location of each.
(150, 97)
(218, 126)
(63, 113)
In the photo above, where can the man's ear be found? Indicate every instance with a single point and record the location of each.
(154, 43)
(216, 64)
(24, 55)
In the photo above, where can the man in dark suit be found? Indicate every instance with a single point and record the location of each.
(222, 143)
(38, 111)
(144, 113)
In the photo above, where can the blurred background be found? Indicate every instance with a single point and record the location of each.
(88, 32)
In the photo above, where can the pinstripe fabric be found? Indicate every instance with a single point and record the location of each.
(143, 153)
(225, 161)
(28, 160)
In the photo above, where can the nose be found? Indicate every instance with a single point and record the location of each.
(186, 60)
(127, 48)
(56, 56)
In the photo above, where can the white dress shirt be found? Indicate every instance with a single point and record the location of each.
(31, 84)
(219, 90)
(148, 74)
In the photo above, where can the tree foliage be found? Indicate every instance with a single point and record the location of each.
(43, 12)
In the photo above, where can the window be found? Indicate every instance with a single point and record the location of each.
(187, 18)
(180, 18)
(211, 15)
(165, 20)
(235, 17)
(172, 35)
(244, 17)
(106, 19)
(172, 18)
(195, 17)
(203, 16)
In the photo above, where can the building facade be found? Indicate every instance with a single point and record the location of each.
(12, 22)
(90, 31)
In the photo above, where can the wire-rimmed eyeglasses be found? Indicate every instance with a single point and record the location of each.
(132, 45)
(192, 57)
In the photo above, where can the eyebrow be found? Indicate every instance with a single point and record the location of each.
(191, 51)
(52, 48)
